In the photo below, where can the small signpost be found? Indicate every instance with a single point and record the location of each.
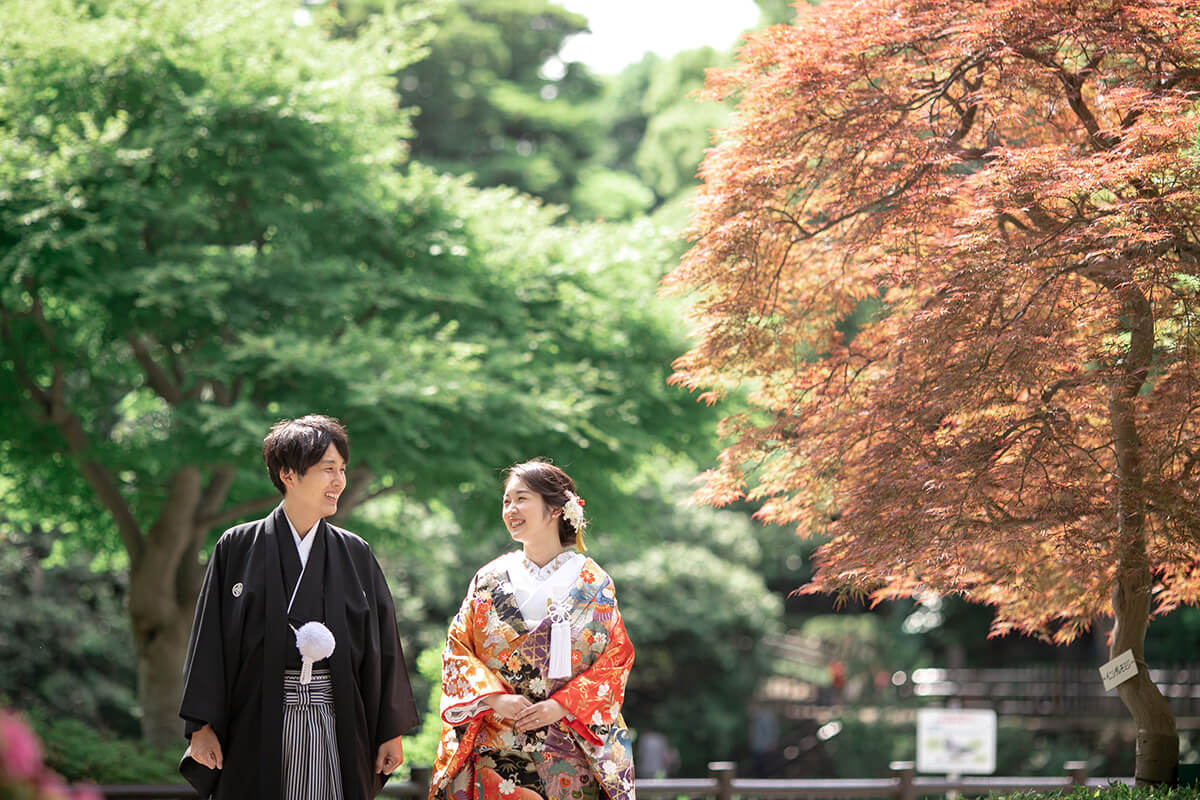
(956, 741)
(1119, 670)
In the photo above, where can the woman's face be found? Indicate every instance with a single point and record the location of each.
(526, 516)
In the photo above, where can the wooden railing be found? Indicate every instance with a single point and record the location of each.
(1052, 690)
(1049, 696)
(722, 783)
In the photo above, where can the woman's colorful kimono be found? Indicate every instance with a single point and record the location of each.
(491, 650)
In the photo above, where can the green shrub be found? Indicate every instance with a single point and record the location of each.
(79, 752)
(1114, 791)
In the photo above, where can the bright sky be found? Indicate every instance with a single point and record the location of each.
(624, 30)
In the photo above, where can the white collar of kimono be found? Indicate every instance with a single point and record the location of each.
(303, 544)
(542, 573)
(539, 590)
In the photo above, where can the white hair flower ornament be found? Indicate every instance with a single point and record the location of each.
(573, 511)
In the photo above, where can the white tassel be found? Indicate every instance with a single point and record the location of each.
(560, 642)
(560, 650)
(315, 642)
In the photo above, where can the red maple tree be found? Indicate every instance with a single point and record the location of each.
(1012, 189)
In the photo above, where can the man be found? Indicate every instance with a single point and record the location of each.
(252, 710)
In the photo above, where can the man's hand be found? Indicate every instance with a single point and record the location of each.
(205, 748)
(508, 706)
(390, 756)
(539, 715)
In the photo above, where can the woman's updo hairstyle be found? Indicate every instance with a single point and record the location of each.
(553, 485)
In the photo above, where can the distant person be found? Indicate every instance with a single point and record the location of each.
(837, 680)
(656, 758)
(276, 724)
(535, 665)
(763, 739)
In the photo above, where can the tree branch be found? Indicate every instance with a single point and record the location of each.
(156, 377)
(1165, 85)
(214, 495)
(1072, 83)
(55, 411)
(234, 513)
(172, 532)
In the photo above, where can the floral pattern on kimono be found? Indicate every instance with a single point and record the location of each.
(491, 650)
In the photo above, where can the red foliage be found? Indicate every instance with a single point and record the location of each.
(1015, 184)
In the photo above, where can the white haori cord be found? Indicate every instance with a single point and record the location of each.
(313, 639)
(560, 642)
(315, 642)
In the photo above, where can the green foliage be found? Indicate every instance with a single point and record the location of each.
(675, 142)
(421, 748)
(622, 113)
(1116, 791)
(864, 748)
(189, 177)
(1020, 751)
(232, 248)
(865, 644)
(68, 652)
(697, 622)
(609, 195)
(424, 552)
(773, 12)
(80, 752)
(1171, 639)
(673, 81)
(206, 224)
(495, 102)
(658, 130)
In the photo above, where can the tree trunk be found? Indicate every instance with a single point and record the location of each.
(161, 646)
(163, 586)
(1157, 738)
(164, 583)
(1158, 743)
(165, 572)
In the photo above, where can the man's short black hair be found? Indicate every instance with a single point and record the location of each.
(297, 444)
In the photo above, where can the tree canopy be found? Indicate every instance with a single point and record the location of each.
(1015, 185)
(206, 224)
(494, 100)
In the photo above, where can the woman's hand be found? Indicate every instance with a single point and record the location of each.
(539, 715)
(508, 706)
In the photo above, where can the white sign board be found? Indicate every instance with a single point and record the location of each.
(1119, 670)
(956, 741)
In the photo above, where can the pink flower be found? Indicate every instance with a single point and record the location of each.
(51, 787)
(20, 754)
(85, 791)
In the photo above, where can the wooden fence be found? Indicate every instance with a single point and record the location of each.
(1054, 696)
(1052, 690)
(722, 783)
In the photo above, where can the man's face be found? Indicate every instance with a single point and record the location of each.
(316, 492)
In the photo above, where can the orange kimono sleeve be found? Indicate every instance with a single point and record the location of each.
(466, 679)
(594, 696)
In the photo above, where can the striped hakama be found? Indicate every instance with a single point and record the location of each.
(310, 752)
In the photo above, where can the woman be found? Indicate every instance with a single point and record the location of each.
(536, 660)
